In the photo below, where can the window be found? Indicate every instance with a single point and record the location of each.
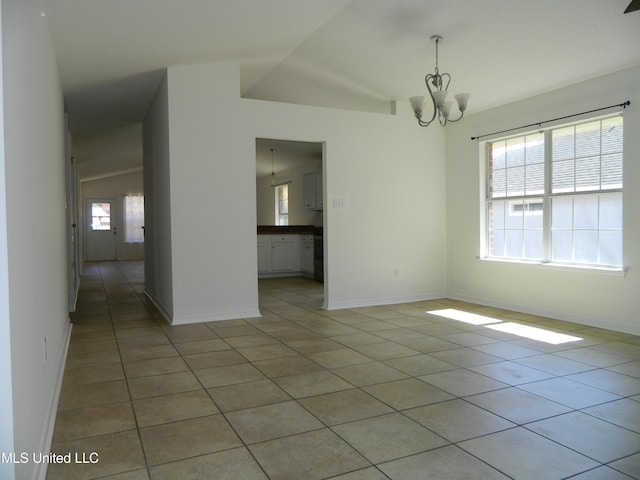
(556, 196)
(100, 216)
(134, 219)
(282, 204)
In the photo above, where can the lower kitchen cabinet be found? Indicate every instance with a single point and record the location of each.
(264, 254)
(285, 253)
(279, 255)
(306, 255)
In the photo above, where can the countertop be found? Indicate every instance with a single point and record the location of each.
(290, 229)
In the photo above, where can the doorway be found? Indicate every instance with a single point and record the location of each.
(294, 250)
(101, 239)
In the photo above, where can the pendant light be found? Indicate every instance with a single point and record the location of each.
(437, 85)
(273, 173)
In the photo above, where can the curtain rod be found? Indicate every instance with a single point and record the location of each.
(539, 124)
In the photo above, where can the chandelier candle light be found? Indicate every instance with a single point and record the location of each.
(437, 84)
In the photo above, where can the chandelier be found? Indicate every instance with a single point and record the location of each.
(437, 85)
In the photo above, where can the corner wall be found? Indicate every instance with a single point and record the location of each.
(36, 231)
(602, 299)
(7, 470)
(213, 192)
(157, 202)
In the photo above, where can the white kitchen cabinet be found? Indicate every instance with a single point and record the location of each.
(313, 198)
(306, 255)
(264, 254)
(285, 251)
(279, 255)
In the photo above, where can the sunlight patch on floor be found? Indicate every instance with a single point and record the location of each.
(533, 333)
(466, 317)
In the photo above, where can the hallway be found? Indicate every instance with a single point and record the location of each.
(372, 393)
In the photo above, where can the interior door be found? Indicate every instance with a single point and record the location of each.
(101, 239)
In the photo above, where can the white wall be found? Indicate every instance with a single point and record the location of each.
(590, 297)
(298, 215)
(213, 221)
(389, 172)
(117, 187)
(157, 211)
(7, 470)
(34, 260)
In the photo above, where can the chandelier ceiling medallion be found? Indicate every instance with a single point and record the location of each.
(437, 85)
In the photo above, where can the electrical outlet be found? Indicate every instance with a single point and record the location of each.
(396, 274)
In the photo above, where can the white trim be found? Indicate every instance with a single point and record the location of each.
(115, 173)
(380, 301)
(40, 472)
(241, 312)
(160, 308)
(74, 301)
(568, 267)
(579, 319)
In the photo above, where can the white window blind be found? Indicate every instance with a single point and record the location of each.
(133, 219)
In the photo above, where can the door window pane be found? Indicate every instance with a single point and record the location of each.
(100, 216)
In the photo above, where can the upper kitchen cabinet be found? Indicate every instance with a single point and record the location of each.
(313, 199)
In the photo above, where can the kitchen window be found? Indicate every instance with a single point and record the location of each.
(556, 196)
(282, 204)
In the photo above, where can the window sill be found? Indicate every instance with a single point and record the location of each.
(615, 271)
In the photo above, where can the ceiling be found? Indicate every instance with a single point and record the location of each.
(355, 54)
(286, 155)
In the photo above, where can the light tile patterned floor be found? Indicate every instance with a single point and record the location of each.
(373, 393)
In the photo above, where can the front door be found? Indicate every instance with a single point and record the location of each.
(101, 233)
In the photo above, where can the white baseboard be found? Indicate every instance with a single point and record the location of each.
(40, 472)
(378, 301)
(160, 308)
(241, 311)
(230, 314)
(579, 319)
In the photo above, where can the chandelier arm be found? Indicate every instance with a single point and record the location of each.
(457, 119)
(421, 122)
(442, 75)
(436, 110)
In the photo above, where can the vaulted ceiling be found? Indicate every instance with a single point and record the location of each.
(355, 54)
